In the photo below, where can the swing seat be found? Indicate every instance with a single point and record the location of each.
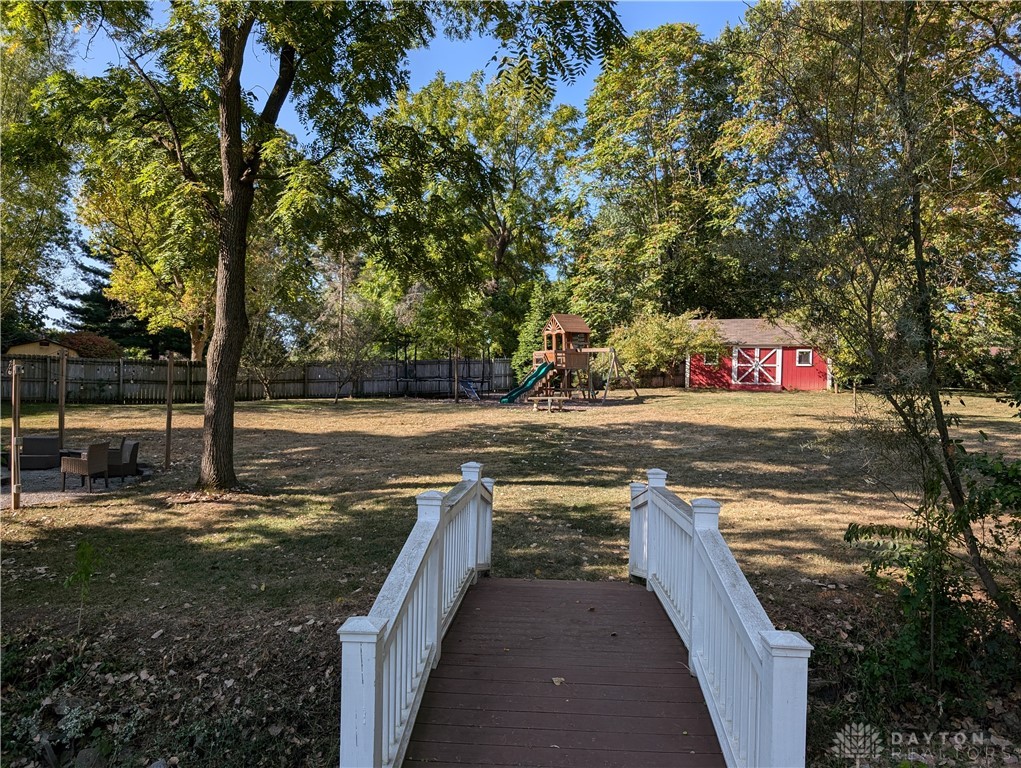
(468, 387)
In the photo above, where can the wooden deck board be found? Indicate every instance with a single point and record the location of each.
(626, 700)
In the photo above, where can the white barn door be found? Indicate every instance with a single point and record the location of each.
(755, 366)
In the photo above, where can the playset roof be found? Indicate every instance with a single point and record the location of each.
(567, 323)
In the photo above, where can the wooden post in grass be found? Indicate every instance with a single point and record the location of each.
(61, 398)
(15, 460)
(170, 404)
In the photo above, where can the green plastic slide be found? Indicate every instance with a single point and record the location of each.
(530, 381)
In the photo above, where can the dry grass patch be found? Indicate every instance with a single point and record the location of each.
(209, 630)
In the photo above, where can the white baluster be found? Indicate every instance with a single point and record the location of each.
(638, 557)
(472, 472)
(486, 528)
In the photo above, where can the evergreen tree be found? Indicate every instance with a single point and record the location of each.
(92, 310)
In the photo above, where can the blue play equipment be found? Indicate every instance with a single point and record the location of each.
(530, 381)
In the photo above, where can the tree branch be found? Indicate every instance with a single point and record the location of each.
(174, 146)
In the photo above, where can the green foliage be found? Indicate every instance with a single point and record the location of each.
(86, 560)
(473, 175)
(350, 329)
(666, 192)
(655, 343)
(34, 192)
(949, 644)
(92, 310)
(282, 305)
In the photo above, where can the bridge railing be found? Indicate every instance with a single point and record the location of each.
(387, 655)
(754, 677)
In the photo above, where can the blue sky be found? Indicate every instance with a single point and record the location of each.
(459, 59)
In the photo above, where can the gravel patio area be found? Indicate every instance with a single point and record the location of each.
(42, 486)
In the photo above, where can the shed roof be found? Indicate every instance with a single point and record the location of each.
(758, 332)
(568, 323)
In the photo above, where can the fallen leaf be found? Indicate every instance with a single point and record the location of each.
(156, 634)
(275, 730)
(558, 681)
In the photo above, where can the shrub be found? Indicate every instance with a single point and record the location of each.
(89, 344)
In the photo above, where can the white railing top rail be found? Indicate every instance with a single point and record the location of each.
(754, 677)
(387, 655)
(406, 568)
(751, 616)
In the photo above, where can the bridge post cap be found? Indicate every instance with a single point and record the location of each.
(657, 478)
(637, 488)
(489, 483)
(429, 505)
(782, 643)
(706, 504)
(471, 470)
(362, 629)
(706, 514)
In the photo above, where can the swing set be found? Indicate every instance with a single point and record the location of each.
(565, 365)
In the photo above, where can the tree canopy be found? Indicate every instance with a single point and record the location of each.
(664, 193)
(335, 62)
(884, 142)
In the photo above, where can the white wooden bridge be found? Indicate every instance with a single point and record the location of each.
(687, 672)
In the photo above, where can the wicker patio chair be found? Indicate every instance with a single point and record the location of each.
(124, 462)
(91, 463)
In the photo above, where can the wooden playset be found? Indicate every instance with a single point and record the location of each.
(562, 369)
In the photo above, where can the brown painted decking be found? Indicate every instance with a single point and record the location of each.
(627, 699)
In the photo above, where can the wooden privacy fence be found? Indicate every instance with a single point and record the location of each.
(754, 677)
(145, 381)
(386, 657)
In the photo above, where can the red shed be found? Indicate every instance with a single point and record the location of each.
(761, 355)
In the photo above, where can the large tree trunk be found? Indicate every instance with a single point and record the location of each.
(231, 324)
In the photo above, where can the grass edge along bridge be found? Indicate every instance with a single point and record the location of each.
(754, 679)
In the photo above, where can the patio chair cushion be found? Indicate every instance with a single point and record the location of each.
(40, 452)
(125, 463)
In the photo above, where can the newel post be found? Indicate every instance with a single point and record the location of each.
(705, 516)
(638, 559)
(361, 692)
(430, 508)
(784, 700)
(657, 479)
(472, 472)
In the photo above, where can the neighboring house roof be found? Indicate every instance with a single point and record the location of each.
(43, 341)
(756, 332)
(568, 323)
